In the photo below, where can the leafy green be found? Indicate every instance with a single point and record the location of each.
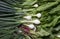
(12, 12)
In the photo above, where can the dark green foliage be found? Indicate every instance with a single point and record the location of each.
(12, 12)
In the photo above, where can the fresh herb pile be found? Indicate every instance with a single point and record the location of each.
(12, 17)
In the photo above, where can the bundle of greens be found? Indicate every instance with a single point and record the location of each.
(12, 13)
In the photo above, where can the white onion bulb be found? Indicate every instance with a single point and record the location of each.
(31, 26)
(20, 31)
(38, 15)
(36, 5)
(36, 21)
(58, 35)
(28, 17)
